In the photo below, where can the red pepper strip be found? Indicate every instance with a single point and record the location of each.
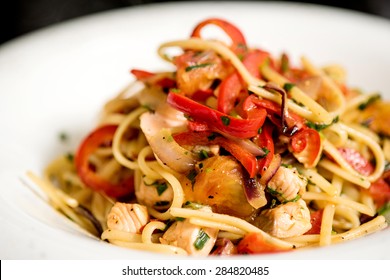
(255, 243)
(206, 138)
(101, 136)
(265, 141)
(238, 39)
(229, 90)
(273, 111)
(202, 95)
(143, 76)
(307, 141)
(241, 128)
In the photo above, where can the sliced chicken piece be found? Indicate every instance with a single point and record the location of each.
(196, 240)
(286, 220)
(127, 217)
(158, 195)
(287, 184)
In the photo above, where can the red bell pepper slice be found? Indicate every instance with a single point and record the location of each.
(217, 121)
(238, 39)
(229, 91)
(274, 111)
(230, 88)
(206, 138)
(265, 141)
(143, 76)
(100, 137)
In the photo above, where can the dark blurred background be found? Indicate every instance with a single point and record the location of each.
(18, 17)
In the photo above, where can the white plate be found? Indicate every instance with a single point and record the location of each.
(57, 79)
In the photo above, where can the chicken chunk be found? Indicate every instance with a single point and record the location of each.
(286, 220)
(127, 217)
(197, 241)
(158, 195)
(287, 184)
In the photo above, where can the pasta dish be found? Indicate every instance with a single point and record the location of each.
(234, 151)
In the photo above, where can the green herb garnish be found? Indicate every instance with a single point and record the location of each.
(225, 120)
(196, 66)
(203, 154)
(288, 86)
(201, 240)
(371, 100)
(321, 126)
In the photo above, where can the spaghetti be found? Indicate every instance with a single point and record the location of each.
(235, 152)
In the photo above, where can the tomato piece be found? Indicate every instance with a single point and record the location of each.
(100, 137)
(196, 71)
(380, 192)
(238, 40)
(306, 146)
(207, 138)
(316, 221)
(357, 161)
(254, 243)
(217, 121)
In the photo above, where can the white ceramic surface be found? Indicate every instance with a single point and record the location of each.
(56, 80)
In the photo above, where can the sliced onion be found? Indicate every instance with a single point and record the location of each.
(164, 146)
(271, 170)
(311, 86)
(284, 110)
(246, 144)
(254, 193)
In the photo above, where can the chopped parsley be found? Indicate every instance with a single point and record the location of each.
(321, 126)
(201, 240)
(161, 188)
(193, 205)
(265, 150)
(225, 120)
(203, 154)
(191, 176)
(288, 86)
(175, 90)
(371, 100)
(70, 157)
(385, 211)
(212, 136)
(196, 66)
